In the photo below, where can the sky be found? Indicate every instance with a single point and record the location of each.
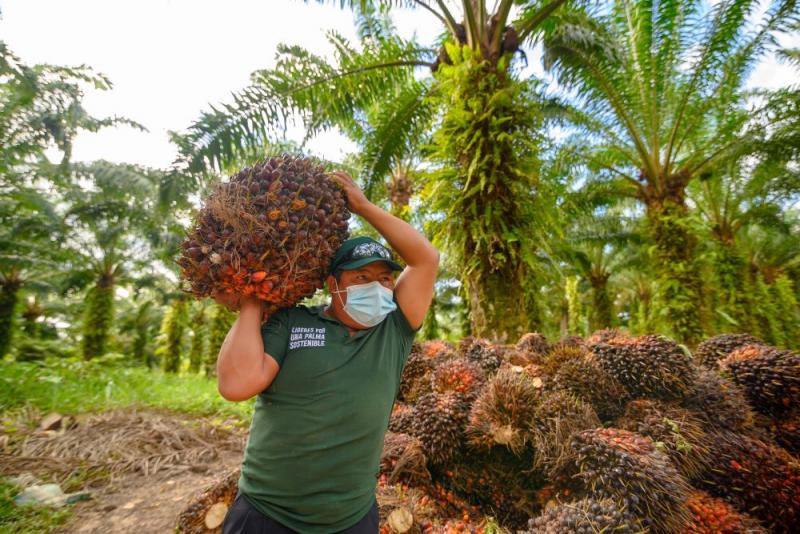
(170, 59)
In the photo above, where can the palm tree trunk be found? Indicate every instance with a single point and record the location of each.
(98, 315)
(221, 321)
(9, 288)
(173, 327)
(484, 139)
(680, 284)
(601, 315)
(197, 351)
(733, 299)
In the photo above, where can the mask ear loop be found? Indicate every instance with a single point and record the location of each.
(338, 291)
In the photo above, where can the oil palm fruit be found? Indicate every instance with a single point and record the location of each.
(711, 515)
(457, 375)
(770, 377)
(719, 402)
(584, 378)
(439, 421)
(485, 354)
(270, 232)
(712, 350)
(585, 516)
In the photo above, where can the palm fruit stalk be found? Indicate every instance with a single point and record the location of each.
(770, 377)
(585, 516)
(677, 431)
(558, 415)
(647, 366)
(439, 421)
(712, 350)
(610, 463)
(759, 479)
(269, 232)
(503, 413)
(402, 460)
(711, 515)
(206, 511)
(719, 403)
(457, 375)
(584, 378)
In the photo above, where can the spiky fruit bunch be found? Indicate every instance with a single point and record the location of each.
(785, 430)
(585, 516)
(402, 459)
(485, 354)
(401, 418)
(714, 516)
(504, 411)
(757, 478)
(720, 403)
(436, 349)
(679, 432)
(714, 349)
(558, 415)
(457, 375)
(584, 378)
(648, 366)
(415, 380)
(770, 377)
(602, 336)
(210, 506)
(628, 468)
(560, 354)
(270, 231)
(439, 421)
(533, 343)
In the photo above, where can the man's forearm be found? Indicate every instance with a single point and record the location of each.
(412, 246)
(240, 365)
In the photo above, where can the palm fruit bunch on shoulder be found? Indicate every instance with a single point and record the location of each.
(485, 354)
(584, 378)
(758, 478)
(711, 515)
(206, 511)
(647, 366)
(770, 377)
(497, 483)
(415, 379)
(439, 421)
(401, 417)
(719, 402)
(559, 415)
(534, 345)
(402, 459)
(712, 350)
(676, 430)
(504, 412)
(457, 375)
(585, 516)
(270, 232)
(610, 463)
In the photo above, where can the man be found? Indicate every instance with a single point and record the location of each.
(326, 378)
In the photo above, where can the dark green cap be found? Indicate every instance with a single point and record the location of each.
(359, 251)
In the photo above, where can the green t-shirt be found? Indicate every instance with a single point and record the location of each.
(313, 453)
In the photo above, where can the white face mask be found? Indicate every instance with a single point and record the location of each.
(368, 304)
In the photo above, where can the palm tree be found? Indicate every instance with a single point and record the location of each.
(658, 86)
(110, 212)
(483, 115)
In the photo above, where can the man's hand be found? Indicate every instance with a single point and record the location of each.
(235, 301)
(356, 199)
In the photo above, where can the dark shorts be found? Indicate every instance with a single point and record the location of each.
(242, 518)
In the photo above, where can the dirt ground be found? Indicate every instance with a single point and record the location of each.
(138, 504)
(142, 468)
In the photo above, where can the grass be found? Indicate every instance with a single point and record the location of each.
(74, 386)
(28, 519)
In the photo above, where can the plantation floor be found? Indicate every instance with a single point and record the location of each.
(144, 504)
(142, 467)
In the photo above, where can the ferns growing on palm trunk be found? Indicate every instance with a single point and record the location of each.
(197, 351)
(173, 327)
(98, 314)
(221, 321)
(8, 304)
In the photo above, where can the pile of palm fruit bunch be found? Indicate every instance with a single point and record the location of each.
(607, 433)
(610, 433)
(270, 231)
